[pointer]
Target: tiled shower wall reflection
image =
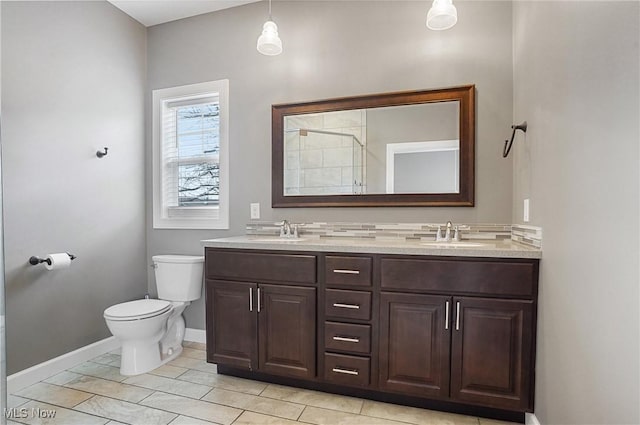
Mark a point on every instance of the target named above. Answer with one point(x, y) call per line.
point(318, 164)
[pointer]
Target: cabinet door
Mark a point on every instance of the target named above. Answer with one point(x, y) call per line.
point(415, 334)
point(287, 330)
point(491, 352)
point(232, 324)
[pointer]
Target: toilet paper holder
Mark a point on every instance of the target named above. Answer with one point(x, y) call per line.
point(34, 261)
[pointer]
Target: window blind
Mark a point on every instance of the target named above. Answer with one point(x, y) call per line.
point(191, 156)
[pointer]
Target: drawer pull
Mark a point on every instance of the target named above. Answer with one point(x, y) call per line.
point(345, 371)
point(342, 271)
point(351, 306)
point(250, 299)
point(346, 339)
point(458, 315)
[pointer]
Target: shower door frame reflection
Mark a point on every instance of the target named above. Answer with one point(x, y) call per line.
point(294, 170)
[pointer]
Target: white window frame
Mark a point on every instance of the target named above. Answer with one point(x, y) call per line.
point(421, 147)
point(214, 217)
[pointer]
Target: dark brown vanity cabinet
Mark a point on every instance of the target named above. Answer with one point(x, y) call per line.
point(469, 349)
point(476, 348)
point(491, 352)
point(266, 327)
point(457, 331)
point(415, 334)
point(232, 325)
point(287, 330)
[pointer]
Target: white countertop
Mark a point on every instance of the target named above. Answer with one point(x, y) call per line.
point(489, 248)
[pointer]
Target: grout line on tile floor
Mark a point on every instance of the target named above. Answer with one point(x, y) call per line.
point(154, 391)
point(301, 412)
point(185, 371)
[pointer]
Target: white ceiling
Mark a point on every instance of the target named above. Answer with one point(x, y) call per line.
point(154, 12)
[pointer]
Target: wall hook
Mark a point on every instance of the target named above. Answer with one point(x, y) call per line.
point(507, 143)
point(100, 154)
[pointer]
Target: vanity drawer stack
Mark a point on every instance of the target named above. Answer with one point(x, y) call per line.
point(348, 315)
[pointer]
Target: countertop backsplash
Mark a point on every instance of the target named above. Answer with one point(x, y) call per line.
point(526, 235)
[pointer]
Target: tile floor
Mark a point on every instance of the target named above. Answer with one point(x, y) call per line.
point(188, 391)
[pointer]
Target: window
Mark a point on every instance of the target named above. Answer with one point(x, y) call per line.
point(190, 156)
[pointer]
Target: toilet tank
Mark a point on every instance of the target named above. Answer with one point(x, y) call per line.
point(178, 277)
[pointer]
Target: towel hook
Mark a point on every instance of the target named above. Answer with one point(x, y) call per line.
point(507, 143)
point(100, 154)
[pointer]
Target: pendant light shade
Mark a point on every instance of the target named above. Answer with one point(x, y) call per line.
point(269, 42)
point(442, 15)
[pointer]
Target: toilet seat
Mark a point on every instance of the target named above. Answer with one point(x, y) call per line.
point(137, 310)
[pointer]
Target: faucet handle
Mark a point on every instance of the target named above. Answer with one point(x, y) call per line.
point(456, 234)
point(283, 224)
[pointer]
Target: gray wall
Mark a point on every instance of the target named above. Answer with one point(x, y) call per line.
point(576, 71)
point(334, 49)
point(73, 78)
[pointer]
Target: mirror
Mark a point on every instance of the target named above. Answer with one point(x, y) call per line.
point(394, 149)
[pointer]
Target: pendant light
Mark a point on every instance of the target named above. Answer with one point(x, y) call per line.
point(269, 42)
point(442, 15)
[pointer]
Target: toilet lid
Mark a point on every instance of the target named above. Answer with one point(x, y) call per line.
point(136, 310)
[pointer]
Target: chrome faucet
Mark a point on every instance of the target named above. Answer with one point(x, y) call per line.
point(447, 236)
point(288, 230)
point(285, 229)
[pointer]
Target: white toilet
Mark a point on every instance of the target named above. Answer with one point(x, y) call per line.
point(151, 331)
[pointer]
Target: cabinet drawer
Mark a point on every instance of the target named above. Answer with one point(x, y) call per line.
point(347, 370)
point(505, 278)
point(347, 270)
point(347, 337)
point(348, 304)
point(260, 266)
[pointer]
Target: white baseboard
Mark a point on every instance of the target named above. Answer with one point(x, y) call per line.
point(39, 372)
point(531, 419)
point(195, 335)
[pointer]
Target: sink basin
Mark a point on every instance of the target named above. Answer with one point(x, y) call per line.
point(276, 239)
point(457, 244)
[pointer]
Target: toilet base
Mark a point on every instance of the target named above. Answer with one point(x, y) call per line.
point(140, 357)
point(137, 359)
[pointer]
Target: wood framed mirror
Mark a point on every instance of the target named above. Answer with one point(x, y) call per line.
point(414, 148)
